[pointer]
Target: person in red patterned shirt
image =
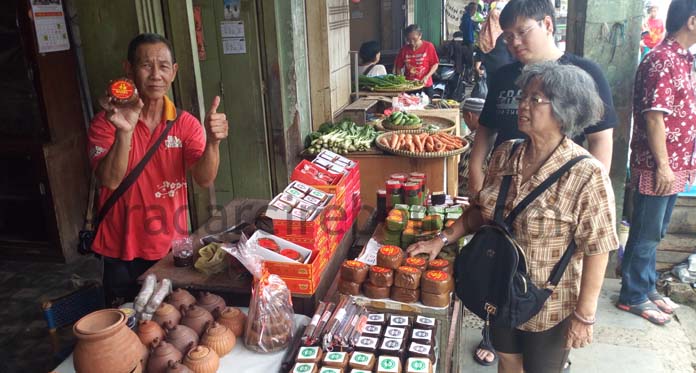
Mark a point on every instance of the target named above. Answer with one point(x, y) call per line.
point(418, 59)
point(663, 160)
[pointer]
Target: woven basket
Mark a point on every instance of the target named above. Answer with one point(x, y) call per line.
point(404, 88)
point(405, 153)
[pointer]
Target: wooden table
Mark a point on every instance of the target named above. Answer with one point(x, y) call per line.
point(236, 287)
point(449, 318)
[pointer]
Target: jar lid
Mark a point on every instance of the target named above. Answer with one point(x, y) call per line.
point(411, 186)
point(381, 192)
point(199, 352)
point(417, 175)
point(122, 89)
point(398, 176)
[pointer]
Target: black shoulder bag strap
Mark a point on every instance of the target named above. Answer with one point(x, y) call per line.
point(503, 192)
point(369, 68)
point(130, 179)
point(559, 268)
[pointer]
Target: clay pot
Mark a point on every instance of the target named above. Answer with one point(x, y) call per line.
point(106, 344)
point(196, 318)
point(181, 297)
point(148, 331)
point(219, 338)
point(166, 313)
point(234, 319)
point(202, 359)
point(162, 353)
point(182, 337)
point(177, 367)
point(211, 301)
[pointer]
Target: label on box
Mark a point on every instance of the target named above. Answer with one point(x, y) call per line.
point(372, 329)
point(425, 320)
point(367, 342)
point(308, 353)
point(392, 332)
point(399, 321)
point(304, 206)
point(361, 358)
point(419, 348)
point(294, 192)
point(303, 368)
point(289, 199)
point(422, 334)
point(335, 357)
point(301, 187)
point(375, 318)
point(329, 370)
point(360, 371)
point(317, 194)
point(417, 365)
point(300, 214)
point(388, 364)
point(282, 206)
point(391, 344)
point(312, 200)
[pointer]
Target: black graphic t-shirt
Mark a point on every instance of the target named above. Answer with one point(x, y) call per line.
point(500, 110)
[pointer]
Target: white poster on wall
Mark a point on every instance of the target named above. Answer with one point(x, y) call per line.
point(454, 9)
point(49, 21)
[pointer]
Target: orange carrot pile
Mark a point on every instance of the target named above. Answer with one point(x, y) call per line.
point(422, 142)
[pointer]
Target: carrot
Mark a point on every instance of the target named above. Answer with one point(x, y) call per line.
point(384, 141)
point(401, 144)
point(393, 140)
point(439, 146)
point(409, 143)
point(419, 144)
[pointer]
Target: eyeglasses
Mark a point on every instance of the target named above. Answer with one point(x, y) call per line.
point(533, 100)
point(510, 37)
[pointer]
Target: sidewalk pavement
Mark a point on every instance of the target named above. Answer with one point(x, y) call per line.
point(622, 342)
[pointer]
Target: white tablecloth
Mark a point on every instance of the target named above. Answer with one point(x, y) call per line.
point(240, 360)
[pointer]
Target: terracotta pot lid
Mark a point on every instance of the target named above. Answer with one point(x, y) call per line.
point(199, 352)
point(165, 308)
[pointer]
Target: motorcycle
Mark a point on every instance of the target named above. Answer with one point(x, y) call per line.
point(447, 84)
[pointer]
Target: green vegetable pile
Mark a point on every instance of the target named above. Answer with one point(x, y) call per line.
point(341, 138)
point(399, 118)
point(389, 81)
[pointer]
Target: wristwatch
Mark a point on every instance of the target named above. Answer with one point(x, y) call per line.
point(442, 238)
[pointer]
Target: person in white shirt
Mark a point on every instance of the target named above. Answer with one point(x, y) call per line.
point(370, 54)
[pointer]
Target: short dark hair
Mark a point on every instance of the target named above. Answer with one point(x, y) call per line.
point(147, 38)
point(458, 34)
point(368, 51)
point(534, 9)
point(678, 14)
point(412, 28)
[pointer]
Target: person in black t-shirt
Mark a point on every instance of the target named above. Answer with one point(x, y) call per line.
point(528, 30)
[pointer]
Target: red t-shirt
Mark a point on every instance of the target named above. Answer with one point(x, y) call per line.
point(663, 83)
point(417, 63)
point(154, 210)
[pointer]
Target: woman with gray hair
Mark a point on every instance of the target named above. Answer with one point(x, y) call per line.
point(557, 101)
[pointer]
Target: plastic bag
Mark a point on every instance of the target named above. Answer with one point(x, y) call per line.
point(480, 90)
point(271, 322)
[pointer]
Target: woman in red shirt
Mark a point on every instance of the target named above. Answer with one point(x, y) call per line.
point(417, 58)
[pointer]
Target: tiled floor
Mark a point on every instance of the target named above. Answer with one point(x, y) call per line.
point(25, 345)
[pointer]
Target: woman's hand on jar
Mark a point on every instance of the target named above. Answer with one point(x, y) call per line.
point(579, 334)
point(430, 247)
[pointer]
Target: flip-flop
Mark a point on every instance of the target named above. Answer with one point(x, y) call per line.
point(640, 310)
point(484, 346)
point(654, 296)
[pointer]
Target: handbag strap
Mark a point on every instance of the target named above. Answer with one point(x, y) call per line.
point(504, 188)
point(130, 179)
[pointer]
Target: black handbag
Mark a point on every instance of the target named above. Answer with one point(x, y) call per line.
point(491, 270)
point(88, 233)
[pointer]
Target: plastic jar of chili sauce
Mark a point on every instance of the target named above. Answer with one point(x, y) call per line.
point(420, 188)
point(424, 180)
point(412, 194)
point(394, 193)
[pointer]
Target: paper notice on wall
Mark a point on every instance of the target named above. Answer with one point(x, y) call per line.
point(232, 29)
point(234, 45)
point(49, 22)
point(454, 10)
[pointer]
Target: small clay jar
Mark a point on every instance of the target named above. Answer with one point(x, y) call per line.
point(181, 297)
point(148, 331)
point(166, 313)
point(234, 319)
point(182, 337)
point(211, 301)
point(177, 367)
point(219, 338)
point(202, 359)
point(196, 318)
point(160, 356)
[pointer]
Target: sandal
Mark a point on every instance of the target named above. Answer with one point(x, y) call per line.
point(641, 310)
point(654, 297)
point(483, 346)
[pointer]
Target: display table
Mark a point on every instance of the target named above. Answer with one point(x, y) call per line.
point(449, 318)
point(239, 360)
point(236, 288)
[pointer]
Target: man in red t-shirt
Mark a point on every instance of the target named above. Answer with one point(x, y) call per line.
point(138, 230)
point(418, 59)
